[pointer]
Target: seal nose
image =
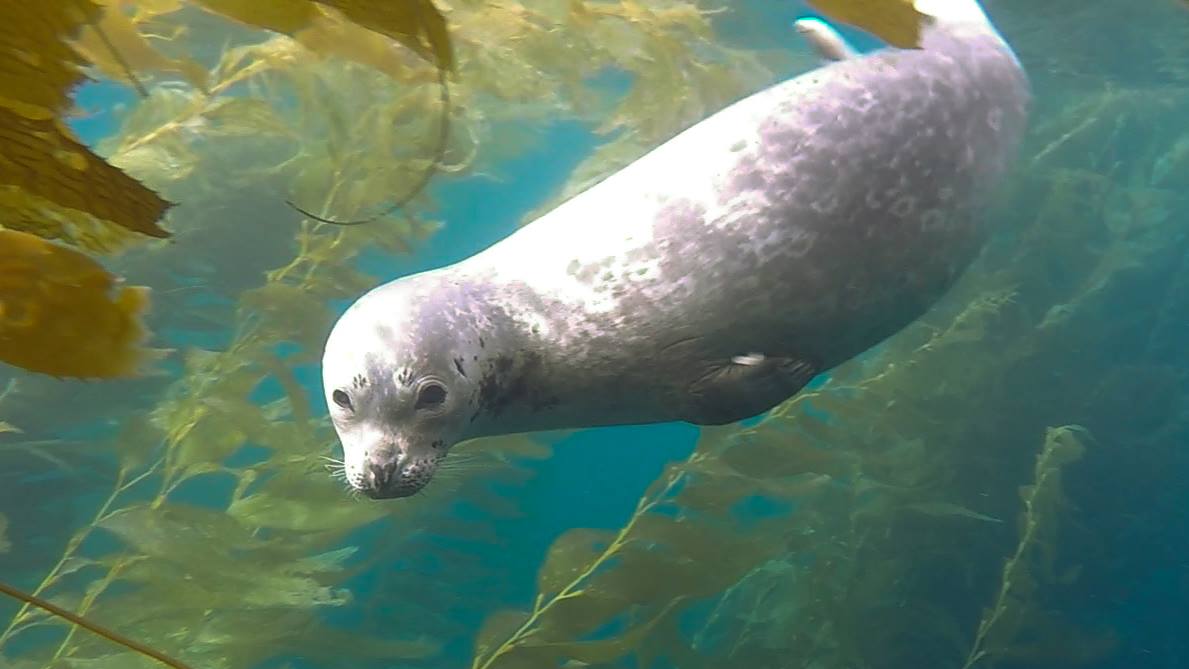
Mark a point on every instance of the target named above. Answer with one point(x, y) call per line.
point(379, 474)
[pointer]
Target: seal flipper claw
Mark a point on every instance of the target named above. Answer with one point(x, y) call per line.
point(744, 387)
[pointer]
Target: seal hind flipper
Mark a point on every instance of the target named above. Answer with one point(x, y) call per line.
point(744, 387)
point(825, 40)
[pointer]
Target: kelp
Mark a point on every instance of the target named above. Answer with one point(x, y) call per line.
point(53, 185)
point(49, 294)
point(223, 541)
point(91, 627)
point(892, 477)
point(274, 542)
point(1011, 611)
point(897, 22)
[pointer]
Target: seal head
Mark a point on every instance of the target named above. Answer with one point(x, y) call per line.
point(397, 398)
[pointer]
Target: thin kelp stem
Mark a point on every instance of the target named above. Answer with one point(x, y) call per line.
point(1062, 445)
point(575, 587)
point(115, 53)
point(115, 637)
point(122, 484)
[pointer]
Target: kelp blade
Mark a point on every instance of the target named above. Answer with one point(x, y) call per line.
point(62, 313)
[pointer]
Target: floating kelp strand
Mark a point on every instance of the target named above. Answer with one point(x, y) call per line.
point(115, 637)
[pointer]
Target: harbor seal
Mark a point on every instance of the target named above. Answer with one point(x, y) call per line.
point(706, 282)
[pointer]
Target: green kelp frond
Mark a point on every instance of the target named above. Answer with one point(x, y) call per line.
point(1012, 612)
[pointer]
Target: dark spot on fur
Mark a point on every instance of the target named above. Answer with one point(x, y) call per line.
point(458, 366)
point(437, 444)
point(481, 344)
point(511, 380)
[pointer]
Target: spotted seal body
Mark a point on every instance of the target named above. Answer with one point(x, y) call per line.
point(706, 282)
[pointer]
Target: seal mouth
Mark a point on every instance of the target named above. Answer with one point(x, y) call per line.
point(398, 477)
point(401, 489)
point(384, 480)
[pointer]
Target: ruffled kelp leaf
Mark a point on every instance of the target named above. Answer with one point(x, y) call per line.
point(180, 533)
point(115, 46)
point(755, 456)
point(496, 629)
point(898, 22)
point(136, 441)
point(225, 426)
point(62, 313)
point(575, 617)
point(323, 563)
point(569, 556)
point(37, 66)
point(602, 651)
point(244, 117)
point(291, 313)
point(304, 513)
point(282, 16)
point(300, 496)
point(338, 36)
point(326, 647)
point(50, 183)
point(417, 24)
point(234, 583)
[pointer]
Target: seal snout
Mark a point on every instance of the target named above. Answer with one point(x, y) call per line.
point(378, 476)
point(380, 470)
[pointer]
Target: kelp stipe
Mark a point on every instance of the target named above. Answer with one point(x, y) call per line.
point(114, 637)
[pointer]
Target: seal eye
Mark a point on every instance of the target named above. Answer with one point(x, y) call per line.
point(430, 396)
point(342, 399)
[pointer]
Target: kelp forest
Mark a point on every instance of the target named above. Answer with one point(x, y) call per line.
point(995, 486)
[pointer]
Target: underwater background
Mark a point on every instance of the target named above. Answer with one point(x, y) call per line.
point(1002, 484)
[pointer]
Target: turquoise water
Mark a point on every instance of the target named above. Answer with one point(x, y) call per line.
point(1076, 315)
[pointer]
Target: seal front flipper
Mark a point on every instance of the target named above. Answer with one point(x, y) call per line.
point(745, 386)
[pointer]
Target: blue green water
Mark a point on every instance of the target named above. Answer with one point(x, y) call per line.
point(1111, 248)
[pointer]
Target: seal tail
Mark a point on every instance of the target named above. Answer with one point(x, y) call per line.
point(828, 42)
